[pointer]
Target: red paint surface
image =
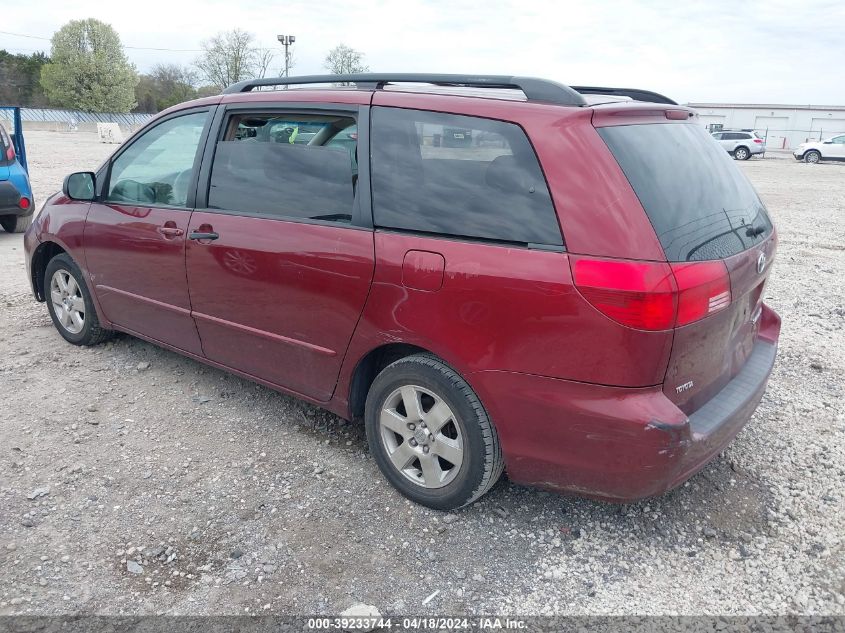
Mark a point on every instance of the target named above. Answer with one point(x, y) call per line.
point(138, 272)
point(278, 299)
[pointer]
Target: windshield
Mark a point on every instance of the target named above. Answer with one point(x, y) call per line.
point(700, 204)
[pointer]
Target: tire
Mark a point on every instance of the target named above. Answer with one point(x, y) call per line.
point(69, 295)
point(813, 157)
point(462, 431)
point(742, 153)
point(15, 223)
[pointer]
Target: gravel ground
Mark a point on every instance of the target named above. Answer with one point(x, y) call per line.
point(135, 481)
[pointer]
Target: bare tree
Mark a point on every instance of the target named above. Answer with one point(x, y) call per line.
point(231, 56)
point(343, 60)
point(263, 58)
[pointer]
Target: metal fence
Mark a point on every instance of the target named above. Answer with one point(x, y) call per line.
point(50, 115)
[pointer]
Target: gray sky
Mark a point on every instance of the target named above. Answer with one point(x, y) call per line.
point(757, 51)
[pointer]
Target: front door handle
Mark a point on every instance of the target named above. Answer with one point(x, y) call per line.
point(198, 235)
point(170, 231)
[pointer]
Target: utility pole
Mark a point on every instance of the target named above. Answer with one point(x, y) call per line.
point(286, 41)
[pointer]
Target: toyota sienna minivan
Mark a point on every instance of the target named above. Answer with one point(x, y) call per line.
point(572, 293)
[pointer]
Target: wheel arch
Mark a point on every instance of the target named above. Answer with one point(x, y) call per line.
point(40, 258)
point(369, 366)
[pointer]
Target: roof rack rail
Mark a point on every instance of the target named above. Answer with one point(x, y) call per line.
point(634, 93)
point(534, 89)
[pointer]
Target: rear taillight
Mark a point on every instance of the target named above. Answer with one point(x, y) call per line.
point(652, 295)
point(703, 288)
point(758, 140)
point(24, 202)
point(10, 153)
point(637, 294)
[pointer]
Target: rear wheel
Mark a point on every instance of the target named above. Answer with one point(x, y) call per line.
point(430, 435)
point(15, 223)
point(70, 304)
point(812, 157)
point(742, 153)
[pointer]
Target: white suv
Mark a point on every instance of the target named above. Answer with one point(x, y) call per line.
point(741, 145)
point(815, 151)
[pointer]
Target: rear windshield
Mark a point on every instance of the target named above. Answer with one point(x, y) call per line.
point(700, 204)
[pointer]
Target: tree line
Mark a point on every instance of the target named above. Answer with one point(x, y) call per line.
point(87, 69)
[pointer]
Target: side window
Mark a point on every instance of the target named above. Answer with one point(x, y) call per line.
point(156, 169)
point(840, 140)
point(459, 176)
point(286, 166)
point(718, 136)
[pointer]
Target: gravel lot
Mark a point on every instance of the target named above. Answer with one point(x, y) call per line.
point(163, 486)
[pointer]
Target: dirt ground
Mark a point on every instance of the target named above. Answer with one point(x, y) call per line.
point(135, 481)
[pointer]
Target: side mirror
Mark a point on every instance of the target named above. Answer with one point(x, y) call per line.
point(80, 186)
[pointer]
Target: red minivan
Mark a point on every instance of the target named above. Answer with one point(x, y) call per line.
point(572, 290)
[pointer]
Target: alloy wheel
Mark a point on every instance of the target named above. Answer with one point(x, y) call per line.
point(422, 436)
point(68, 304)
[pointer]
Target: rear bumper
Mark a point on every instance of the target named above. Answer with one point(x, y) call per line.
point(618, 444)
point(10, 198)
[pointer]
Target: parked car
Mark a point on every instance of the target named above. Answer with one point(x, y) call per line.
point(15, 191)
point(741, 145)
point(582, 306)
point(817, 151)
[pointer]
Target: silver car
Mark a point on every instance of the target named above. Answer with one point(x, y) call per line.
point(741, 145)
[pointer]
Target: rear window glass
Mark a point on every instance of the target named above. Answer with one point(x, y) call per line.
point(460, 176)
point(5, 143)
point(700, 204)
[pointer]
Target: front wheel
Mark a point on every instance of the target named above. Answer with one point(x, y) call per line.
point(15, 223)
point(742, 153)
point(70, 304)
point(812, 157)
point(430, 435)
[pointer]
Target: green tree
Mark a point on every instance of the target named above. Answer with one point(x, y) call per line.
point(164, 86)
point(88, 69)
point(20, 79)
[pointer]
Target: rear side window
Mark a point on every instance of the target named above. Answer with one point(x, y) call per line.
point(701, 206)
point(286, 166)
point(6, 157)
point(460, 176)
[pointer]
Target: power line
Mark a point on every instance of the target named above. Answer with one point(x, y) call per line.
point(137, 48)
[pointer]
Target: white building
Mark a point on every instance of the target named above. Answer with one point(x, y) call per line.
point(783, 126)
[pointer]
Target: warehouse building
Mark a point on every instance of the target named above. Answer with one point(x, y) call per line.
point(783, 126)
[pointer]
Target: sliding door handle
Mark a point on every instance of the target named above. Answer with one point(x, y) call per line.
point(197, 235)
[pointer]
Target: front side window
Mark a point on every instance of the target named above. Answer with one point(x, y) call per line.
point(839, 140)
point(286, 166)
point(459, 176)
point(157, 169)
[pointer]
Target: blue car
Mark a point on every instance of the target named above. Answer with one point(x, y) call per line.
point(16, 203)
